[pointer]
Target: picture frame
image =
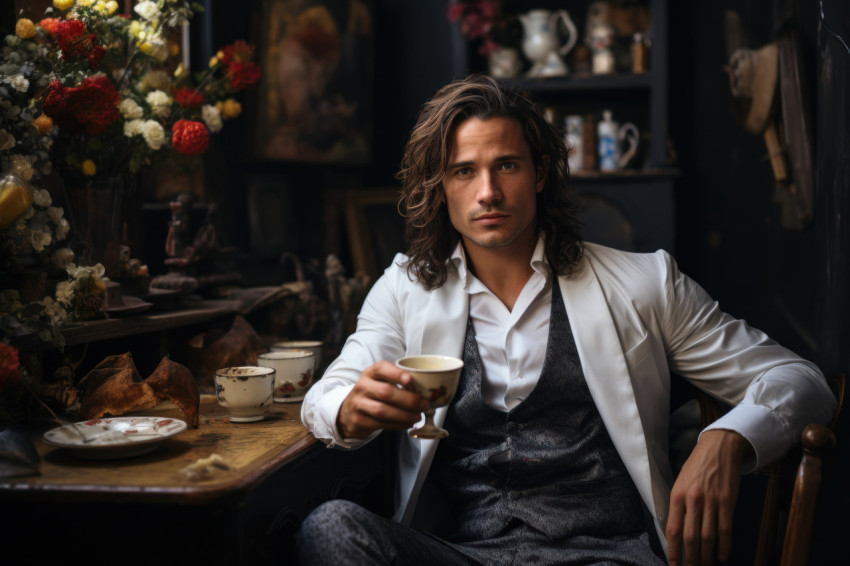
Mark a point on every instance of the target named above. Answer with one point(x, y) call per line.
point(316, 91)
point(374, 227)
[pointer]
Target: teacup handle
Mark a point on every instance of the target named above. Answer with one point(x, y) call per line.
point(571, 30)
point(628, 131)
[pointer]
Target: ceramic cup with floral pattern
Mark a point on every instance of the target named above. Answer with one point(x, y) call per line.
point(245, 391)
point(294, 370)
point(314, 346)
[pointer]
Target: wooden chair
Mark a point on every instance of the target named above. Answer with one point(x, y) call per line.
point(793, 486)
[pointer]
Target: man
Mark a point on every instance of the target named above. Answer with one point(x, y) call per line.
point(557, 450)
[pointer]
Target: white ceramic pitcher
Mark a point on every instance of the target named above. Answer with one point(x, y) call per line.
point(541, 43)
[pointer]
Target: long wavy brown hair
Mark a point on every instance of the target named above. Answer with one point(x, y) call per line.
point(429, 235)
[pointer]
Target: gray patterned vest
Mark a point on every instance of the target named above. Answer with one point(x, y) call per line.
point(558, 472)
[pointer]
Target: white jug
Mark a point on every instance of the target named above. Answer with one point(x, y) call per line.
point(540, 42)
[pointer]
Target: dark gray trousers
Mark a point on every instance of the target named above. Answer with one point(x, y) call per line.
point(341, 533)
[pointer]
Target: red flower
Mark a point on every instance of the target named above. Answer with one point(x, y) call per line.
point(188, 97)
point(236, 52)
point(72, 40)
point(88, 108)
point(10, 367)
point(189, 137)
point(243, 75)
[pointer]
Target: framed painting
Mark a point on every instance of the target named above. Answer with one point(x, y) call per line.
point(316, 88)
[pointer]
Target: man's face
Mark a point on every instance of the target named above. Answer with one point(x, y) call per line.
point(491, 184)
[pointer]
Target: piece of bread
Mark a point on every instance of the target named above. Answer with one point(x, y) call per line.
point(114, 387)
point(171, 380)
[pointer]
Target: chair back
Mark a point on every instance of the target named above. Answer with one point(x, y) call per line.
point(793, 486)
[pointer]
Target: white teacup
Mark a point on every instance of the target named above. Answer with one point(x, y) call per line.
point(314, 346)
point(435, 378)
point(295, 371)
point(245, 391)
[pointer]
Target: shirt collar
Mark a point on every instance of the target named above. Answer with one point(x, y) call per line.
point(538, 262)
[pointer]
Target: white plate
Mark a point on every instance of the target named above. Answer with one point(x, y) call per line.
point(114, 437)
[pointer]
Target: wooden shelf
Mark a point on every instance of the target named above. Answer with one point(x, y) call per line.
point(624, 175)
point(582, 82)
point(108, 329)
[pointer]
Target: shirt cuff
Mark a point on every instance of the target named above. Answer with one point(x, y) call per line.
point(759, 426)
point(328, 409)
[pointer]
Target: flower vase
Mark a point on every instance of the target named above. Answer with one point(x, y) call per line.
point(105, 215)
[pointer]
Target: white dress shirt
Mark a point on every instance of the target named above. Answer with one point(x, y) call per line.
point(511, 343)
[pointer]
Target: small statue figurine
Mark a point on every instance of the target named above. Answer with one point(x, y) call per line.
point(194, 260)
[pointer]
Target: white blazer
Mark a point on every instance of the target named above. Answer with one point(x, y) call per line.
point(635, 319)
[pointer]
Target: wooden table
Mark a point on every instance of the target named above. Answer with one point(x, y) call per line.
point(141, 510)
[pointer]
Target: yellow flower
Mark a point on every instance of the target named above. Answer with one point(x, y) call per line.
point(24, 28)
point(85, 3)
point(230, 108)
point(63, 4)
point(135, 28)
point(213, 61)
point(43, 124)
point(100, 6)
point(146, 48)
point(179, 71)
point(89, 168)
point(111, 7)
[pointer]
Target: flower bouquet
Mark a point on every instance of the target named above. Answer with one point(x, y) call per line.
point(92, 95)
point(106, 90)
point(483, 22)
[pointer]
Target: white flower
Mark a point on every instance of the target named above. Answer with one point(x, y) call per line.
point(155, 80)
point(7, 140)
point(65, 292)
point(211, 117)
point(148, 10)
point(40, 240)
point(21, 166)
point(63, 257)
point(54, 310)
point(62, 228)
point(130, 109)
point(133, 127)
point(42, 198)
point(154, 134)
point(78, 272)
point(55, 213)
point(160, 103)
point(19, 82)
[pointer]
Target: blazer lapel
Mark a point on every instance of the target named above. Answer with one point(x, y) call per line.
point(606, 373)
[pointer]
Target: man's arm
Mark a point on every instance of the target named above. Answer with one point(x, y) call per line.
point(380, 335)
point(703, 499)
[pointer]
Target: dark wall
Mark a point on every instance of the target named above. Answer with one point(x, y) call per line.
point(832, 252)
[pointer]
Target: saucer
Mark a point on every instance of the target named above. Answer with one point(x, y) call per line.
point(116, 437)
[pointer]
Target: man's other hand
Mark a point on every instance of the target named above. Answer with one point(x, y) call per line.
point(703, 499)
point(381, 399)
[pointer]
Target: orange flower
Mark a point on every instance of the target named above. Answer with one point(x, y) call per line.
point(43, 124)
